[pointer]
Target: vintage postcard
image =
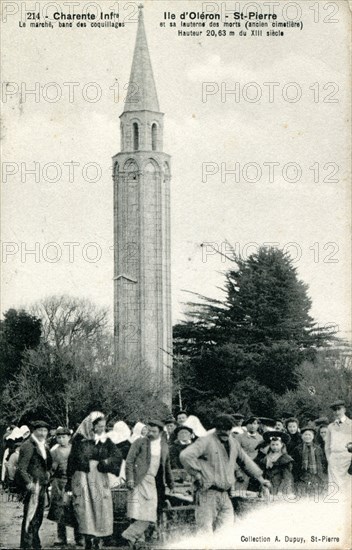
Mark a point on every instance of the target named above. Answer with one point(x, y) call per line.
point(175, 332)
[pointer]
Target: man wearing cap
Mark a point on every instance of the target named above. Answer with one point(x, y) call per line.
point(147, 472)
point(212, 461)
point(32, 475)
point(170, 426)
point(338, 436)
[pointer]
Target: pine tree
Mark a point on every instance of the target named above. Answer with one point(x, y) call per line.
point(261, 331)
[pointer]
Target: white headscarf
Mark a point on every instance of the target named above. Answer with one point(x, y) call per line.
point(137, 431)
point(86, 427)
point(120, 432)
point(19, 433)
point(196, 425)
point(24, 431)
point(15, 434)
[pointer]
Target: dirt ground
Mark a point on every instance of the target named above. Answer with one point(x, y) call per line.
point(11, 514)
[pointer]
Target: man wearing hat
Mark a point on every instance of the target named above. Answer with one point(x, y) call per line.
point(184, 436)
point(170, 426)
point(339, 434)
point(212, 461)
point(32, 475)
point(147, 472)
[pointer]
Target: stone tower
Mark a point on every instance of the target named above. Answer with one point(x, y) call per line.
point(141, 174)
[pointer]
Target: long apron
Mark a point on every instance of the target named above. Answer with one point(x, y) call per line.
point(117, 481)
point(143, 500)
point(92, 502)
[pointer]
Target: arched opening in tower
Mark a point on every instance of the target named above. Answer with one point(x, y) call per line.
point(154, 136)
point(135, 136)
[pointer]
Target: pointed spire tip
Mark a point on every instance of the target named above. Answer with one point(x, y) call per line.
point(141, 93)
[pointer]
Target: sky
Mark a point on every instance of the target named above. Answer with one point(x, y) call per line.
point(205, 134)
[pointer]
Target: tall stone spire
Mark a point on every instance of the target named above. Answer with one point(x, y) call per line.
point(142, 302)
point(141, 94)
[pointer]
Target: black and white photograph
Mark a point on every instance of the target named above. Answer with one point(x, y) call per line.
point(175, 325)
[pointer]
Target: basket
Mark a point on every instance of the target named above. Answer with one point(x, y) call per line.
point(119, 502)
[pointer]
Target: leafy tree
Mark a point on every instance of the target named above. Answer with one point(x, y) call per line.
point(249, 397)
point(72, 371)
point(320, 382)
point(68, 321)
point(18, 331)
point(129, 394)
point(54, 377)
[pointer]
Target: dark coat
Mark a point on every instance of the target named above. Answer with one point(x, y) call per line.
point(301, 475)
point(280, 475)
point(138, 462)
point(83, 450)
point(175, 448)
point(124, 447)
point(31, 465)
point(295, 439)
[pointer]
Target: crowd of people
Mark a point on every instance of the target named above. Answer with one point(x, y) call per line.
point(237, 457)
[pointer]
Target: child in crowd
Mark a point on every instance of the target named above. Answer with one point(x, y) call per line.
point(276, 463)
point(60, 454)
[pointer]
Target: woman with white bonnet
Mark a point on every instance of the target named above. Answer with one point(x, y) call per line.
point(17, 437)
point(92, 457)
point(120, 435)
point(139, 430)
point(196, 426)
